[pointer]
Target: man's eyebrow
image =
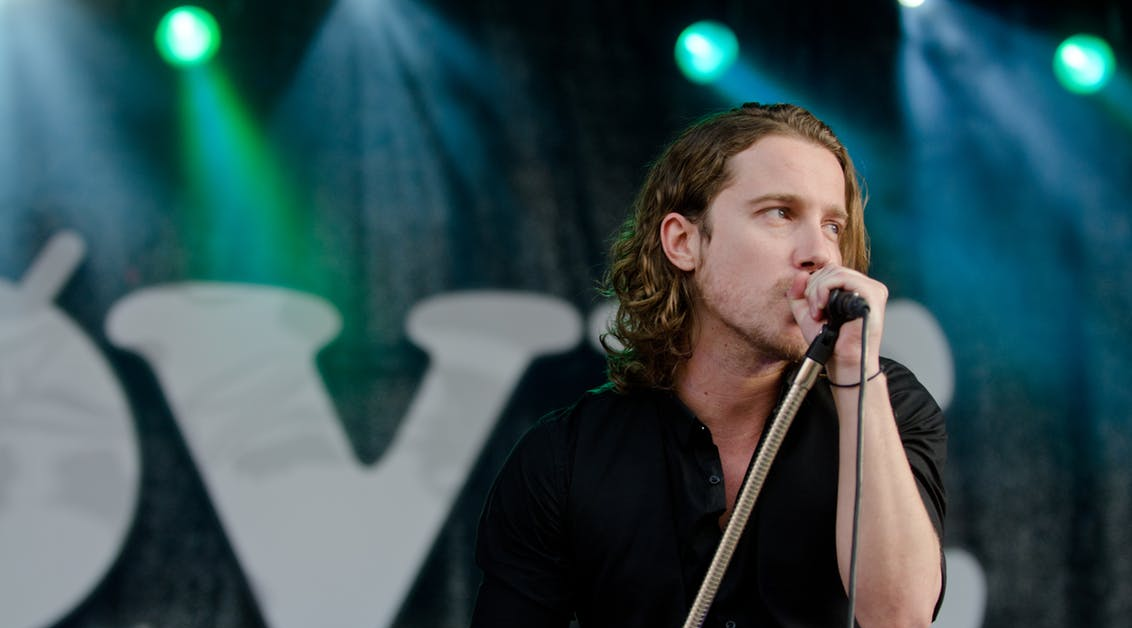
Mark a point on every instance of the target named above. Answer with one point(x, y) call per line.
point(775, 196)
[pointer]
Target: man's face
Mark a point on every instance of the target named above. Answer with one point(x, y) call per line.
point(780, 215)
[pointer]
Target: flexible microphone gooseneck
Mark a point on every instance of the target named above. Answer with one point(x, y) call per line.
point(841, 307)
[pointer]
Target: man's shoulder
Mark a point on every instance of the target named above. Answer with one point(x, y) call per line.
point(912, 403)
point(901, 379)
point(600, 413)
point(590, 427)
point(892, 367)
point(605, 403)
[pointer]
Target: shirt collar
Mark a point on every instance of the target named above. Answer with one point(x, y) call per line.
point(680, 419)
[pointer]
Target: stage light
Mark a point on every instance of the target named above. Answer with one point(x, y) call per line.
point(187, 36)
point(1084, 63)
point(706, 50)
point(911, 4)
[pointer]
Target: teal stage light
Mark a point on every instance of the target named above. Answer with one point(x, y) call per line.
point(706, 50)
point(1084, 63)
point(187, 36)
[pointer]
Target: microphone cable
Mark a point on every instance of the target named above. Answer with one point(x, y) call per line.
point(858, 479)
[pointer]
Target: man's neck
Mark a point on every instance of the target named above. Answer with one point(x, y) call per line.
point(733, 397)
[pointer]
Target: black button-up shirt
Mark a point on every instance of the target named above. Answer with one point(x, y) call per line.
point(609, 511)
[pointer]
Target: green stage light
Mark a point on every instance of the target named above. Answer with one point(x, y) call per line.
point(706, 50)
point(1084, 63)
point(187, 36)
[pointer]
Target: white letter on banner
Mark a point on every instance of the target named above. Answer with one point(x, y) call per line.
point(69, 462)
point(322, 540)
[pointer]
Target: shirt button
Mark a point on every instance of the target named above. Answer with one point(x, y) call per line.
point(714, 479)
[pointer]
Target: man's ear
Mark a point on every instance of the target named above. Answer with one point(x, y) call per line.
point(680, 238)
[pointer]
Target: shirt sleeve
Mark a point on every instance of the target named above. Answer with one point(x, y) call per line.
point(923, 432)
point(521, 543)
point(924, 435)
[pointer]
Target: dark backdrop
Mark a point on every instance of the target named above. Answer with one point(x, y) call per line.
point(432, 147)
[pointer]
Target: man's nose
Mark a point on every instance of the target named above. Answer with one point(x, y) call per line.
point(813, 249)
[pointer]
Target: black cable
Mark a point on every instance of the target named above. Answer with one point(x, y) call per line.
point(859, 467)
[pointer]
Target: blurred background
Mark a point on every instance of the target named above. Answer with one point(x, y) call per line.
point(282, 282)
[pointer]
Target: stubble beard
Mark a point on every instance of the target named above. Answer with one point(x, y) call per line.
point(773, 346)
point(764, 334)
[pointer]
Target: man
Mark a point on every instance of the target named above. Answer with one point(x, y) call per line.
point(610, 511)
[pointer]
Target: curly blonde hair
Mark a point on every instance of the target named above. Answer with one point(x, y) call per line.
point(654, 318)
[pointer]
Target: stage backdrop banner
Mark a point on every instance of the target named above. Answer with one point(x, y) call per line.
point(270, 326)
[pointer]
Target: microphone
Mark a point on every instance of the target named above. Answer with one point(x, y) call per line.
point(844, 307)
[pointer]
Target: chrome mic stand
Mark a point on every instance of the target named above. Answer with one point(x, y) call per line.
point(820, 350)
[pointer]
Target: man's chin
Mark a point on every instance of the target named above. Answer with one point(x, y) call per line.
point(789, 348)
point(785, 344)
point(796, 352)
point(795, 348)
